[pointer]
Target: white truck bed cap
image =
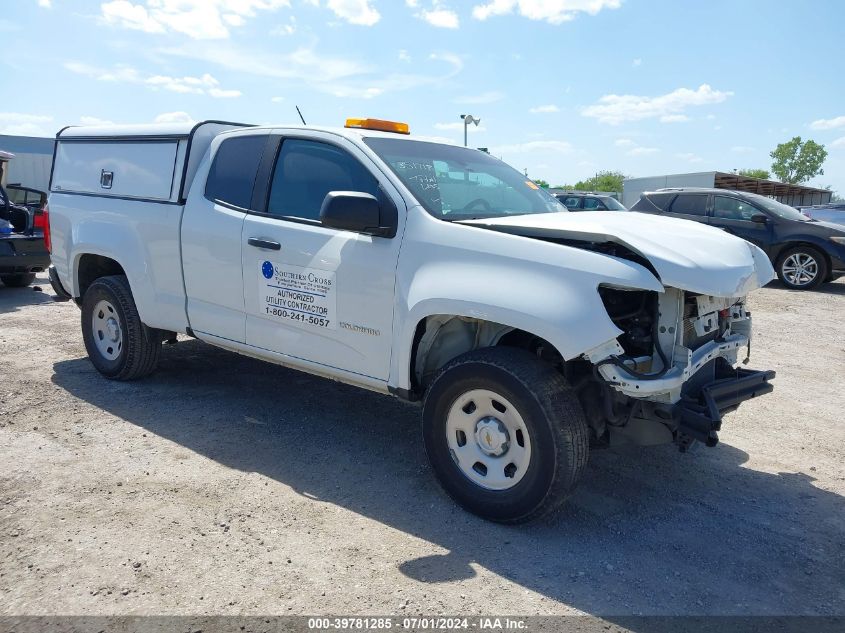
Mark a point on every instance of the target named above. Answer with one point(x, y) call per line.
point(177, 129)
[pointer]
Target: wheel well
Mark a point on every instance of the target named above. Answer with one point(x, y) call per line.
point(440, 338)
point(91, 268)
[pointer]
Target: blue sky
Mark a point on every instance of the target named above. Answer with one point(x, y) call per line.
point(563, 87)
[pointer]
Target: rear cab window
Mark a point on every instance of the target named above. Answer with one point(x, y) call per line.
point(232, 174)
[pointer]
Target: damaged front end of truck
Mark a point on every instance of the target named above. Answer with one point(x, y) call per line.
point(673, 373)
point(677, 364)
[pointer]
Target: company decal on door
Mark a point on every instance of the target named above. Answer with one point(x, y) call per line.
point(303, 297)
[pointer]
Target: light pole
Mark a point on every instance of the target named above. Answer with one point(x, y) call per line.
point(468, 118)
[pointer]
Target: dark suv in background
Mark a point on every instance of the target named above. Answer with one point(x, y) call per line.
point(581, 201)
point(804, 252)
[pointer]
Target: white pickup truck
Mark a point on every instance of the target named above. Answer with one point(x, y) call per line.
point(428, 271)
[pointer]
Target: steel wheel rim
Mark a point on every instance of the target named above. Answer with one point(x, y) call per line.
point(800, 269)
point(107, 330)
point(488, 439)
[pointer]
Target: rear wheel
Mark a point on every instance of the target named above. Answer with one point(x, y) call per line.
point(505, 434)
point(802, 267)
point(119, 345)
point(18, 280)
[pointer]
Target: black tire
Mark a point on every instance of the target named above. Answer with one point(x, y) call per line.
point(139, 346)
point(802, 252)
point(551, 412)
point(18, 280)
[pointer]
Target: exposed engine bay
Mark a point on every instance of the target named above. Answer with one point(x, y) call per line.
point(646, 385)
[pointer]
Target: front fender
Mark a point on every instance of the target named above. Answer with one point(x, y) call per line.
point(546, 289)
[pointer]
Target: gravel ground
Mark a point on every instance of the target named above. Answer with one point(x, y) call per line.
point(222, 485)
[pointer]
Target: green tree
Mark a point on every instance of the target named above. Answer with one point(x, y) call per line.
point(797, 161)
point(540, 183)
point(764, 174)
point(602, 181)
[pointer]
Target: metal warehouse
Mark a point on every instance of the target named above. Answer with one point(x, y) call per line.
point(33, 157)
point(793, 195)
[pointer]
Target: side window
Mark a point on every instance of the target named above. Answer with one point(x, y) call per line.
point(690, 204)
point(232, 174)
point(592, 204)
point(306, 171)
point(732, 208)
point(571, 202)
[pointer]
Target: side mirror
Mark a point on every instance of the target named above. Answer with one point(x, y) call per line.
point(759, 218)
point(356, 211)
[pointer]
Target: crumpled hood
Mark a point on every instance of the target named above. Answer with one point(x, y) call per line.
point(686, 254)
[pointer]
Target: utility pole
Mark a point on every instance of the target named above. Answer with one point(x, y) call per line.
point(468, 118)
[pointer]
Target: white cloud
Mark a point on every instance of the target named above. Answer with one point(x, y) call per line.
point(615, 109)
point(404, 56)
point(710, 117)
point(219, 93)
point(285, 29)
point(441, 18)
point(277, 99)
point(354, 11)
point(46, 4)
point(484, 97)
point(543, 109)
point(174, 117)
point(198, 19)
point(561, 147)
point(828, 124)
point(438, 14)
point(552, 11)
point(130, 16)
point(690, 157)
point(20, 124)
point(674, 118)
point(204, 85)
point(838, 143)
point(92, 120)
point(636, 62)
point(633, 148)
point(743, 149)
point(642, 151)
point(339, 76)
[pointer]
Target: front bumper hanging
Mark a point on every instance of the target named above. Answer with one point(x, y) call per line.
point(701, 417)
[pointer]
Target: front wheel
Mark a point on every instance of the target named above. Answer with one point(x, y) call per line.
point(802, 267)
point(505, 434)
point(119, 345)
point(18, 280)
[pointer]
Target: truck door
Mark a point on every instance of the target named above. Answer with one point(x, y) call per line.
point(316, 293)
point(212, 224)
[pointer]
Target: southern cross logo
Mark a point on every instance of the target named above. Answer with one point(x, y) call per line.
point(267, 270)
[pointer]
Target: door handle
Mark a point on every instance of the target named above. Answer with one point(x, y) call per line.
point(257, 242)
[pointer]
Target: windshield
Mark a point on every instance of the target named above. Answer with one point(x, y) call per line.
point(613, 204)
point(778, 208)
point(456, 183)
